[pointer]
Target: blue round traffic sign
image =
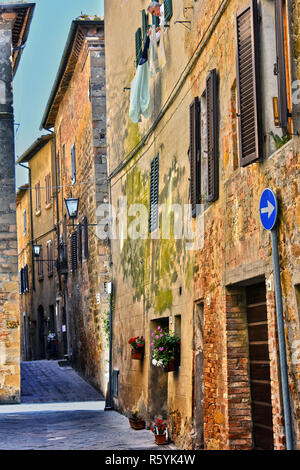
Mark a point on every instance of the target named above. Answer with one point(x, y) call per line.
point(268, 209)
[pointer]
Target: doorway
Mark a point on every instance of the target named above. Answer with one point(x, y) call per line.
point(259, 366)
point(41, 333)
point(198, 383)
point(158, 381)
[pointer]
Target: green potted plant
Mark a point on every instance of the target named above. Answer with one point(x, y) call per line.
point(138, 346)
point(136, 421)
point(160, 431)
point(164, 348)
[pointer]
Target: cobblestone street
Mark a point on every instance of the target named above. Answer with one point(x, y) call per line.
point(60, 411)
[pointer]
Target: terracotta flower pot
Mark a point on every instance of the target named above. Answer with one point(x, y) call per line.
point(160, 439)
point(138, 355)
point(171, 366)
point(137, 423)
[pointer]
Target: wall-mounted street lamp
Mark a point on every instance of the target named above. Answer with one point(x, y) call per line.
point(72, 204)
point(37, 250)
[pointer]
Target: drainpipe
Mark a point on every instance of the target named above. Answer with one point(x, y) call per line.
point(109, 401)
point(57, 212)
point(31, 223)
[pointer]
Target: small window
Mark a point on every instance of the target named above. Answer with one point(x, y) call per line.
point(50, 255)
point(154, 193)
point(48, 190)
point(73, 164)
point(58, 171)
point(41, 265)
point(24, 222)
point(38, 198)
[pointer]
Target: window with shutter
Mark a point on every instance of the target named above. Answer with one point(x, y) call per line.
point(154, 193)
point(58, 171)
point(79, 239)
point(86, 238)
point(21, 286)
point(50, 257)
point(195, 155)
point(38, 198)
point(248, 79)
point(73, 157)
point(40, 265)
point(24, 222)
point(73, 252)
point(155, 21)
point(212, 137)
point(26, 279)
point(48, 189)
point(138, 45)
point(280, 66)
point(168, 10)
point(145, 20)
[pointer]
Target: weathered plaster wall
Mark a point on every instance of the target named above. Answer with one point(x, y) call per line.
point(235, 248)
point(153, 278)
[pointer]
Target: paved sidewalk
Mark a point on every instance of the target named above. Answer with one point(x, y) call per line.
point(60, 411)
point(71, 430)
point(46, 381)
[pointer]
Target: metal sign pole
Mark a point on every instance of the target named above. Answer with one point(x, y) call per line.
point(268, 211)
point(282, 345)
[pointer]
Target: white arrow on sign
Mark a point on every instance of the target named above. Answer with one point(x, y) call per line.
point(268, 210)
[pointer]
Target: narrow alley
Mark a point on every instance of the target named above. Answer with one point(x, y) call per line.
point(60, 411)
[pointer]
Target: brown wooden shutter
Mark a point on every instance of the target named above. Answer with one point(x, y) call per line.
point(212, 138)
point(154, 194)
point(280, 66)
point(73, 251)
point(248, 79)
point(79, 240)
point(195, 157)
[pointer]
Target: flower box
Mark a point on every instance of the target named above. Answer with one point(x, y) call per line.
point(137, 355)
point(171, 366)
point(160, 439)
point(137, 423)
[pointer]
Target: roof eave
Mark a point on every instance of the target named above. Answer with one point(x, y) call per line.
point(63, 65)
point(37, 145)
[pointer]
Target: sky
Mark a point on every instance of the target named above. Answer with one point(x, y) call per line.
point(39, 65)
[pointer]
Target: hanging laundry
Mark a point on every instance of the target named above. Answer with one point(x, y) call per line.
point(153, 54)
point(140, 103)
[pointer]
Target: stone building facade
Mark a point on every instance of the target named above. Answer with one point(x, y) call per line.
point(223, 127)
point(76, 110)
point(37, 228)
point(14, 27)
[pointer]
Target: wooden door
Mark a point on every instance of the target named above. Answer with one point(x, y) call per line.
point(259, 368)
